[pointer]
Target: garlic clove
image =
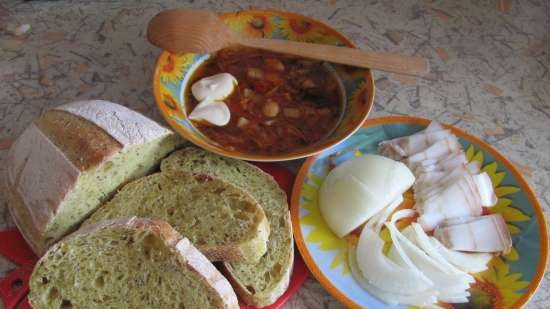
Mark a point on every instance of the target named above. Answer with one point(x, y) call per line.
point(214, 88)
point(213, 112)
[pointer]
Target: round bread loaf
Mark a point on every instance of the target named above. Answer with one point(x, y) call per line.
point(72, 158)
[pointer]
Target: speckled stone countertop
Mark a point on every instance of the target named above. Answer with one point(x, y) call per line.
point(490, 71)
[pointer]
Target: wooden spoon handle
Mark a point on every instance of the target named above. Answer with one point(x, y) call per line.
point(388, 62)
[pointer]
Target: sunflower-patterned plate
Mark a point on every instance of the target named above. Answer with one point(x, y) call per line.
point(173, 71)
point(509, 281)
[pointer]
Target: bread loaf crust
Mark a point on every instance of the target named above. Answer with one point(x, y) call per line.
point(269, 295)
point(82, 142)
point(45, 162)
point(123, 124)
point(22, 219)
point(40, 174)
point(200, 263)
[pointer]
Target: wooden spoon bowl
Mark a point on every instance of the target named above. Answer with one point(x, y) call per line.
point(191, 31)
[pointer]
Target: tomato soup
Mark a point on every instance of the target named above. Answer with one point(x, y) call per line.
point(281, 103)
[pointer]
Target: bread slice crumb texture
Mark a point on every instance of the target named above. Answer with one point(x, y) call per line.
point(125, 266)
point(263, 282)
point(224, 222)
point(97, 184)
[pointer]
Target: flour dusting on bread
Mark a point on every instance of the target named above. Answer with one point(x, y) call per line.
point(123, 124)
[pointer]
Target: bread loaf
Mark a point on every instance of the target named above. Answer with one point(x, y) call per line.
point(71, 159)
point(129, 263)
point(224, 222)
point(263, 282)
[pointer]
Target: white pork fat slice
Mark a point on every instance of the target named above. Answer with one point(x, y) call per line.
point(461, 194)
point(485, 189)
point(359, 188)
point(446, 163)
point(437, 150)
point(213, 112)
point(482, 188)
point(459, 198)
point(433, 127)
point(479, 234)
point(435, 178)
point(405, 146)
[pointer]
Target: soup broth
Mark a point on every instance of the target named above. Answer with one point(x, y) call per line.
point(281, 103)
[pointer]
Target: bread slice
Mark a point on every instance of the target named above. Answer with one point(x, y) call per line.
point(128, 263)
point(224, 222)
point(263, 282)
point(72, 158)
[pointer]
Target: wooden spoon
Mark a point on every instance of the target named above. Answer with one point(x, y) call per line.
point(198, 31)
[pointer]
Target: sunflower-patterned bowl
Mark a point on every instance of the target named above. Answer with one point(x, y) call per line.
point(173, 72)
point(509, 281)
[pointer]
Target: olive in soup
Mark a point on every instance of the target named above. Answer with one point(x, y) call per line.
point(281, 103)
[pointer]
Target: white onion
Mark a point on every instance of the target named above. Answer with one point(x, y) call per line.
point(423, 241)
point(359, 188)
point(468, 262)
point(420, 299)
point(377, 221)
point(382, 272)
point(447, 284)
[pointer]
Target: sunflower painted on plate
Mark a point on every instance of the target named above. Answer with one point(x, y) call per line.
point(495, 288)
point(173, 66)
point(252, 25)
point(504, 205)
point(321, 233)
point(305, 30)
point(170, 102)
point(300, 29)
